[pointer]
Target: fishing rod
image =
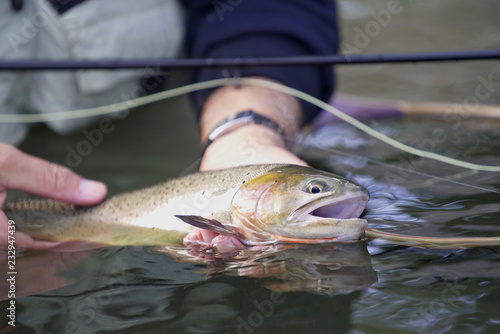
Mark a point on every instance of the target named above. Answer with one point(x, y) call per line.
point(243, 62)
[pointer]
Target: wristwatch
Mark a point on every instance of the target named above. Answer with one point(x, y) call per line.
point(241, 119)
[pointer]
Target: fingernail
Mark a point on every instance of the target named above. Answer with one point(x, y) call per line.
point(92, 189)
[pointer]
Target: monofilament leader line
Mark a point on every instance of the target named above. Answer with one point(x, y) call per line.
point(121, 106)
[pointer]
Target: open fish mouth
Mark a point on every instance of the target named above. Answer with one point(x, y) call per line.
point(327, 219)
point(345, 208)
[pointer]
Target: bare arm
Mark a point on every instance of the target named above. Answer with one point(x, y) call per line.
point(250, 144)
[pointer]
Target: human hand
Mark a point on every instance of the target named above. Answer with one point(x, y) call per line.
point(23, 172)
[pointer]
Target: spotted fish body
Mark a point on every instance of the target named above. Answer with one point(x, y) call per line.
point(148, 216)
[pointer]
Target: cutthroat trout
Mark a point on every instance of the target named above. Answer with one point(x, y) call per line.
point(261, 204)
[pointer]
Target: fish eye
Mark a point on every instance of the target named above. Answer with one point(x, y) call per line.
point(315, 187)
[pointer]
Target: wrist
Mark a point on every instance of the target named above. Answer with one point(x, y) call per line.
point(242, 119)
point(251, 136)
point(251, 144)
point(228, 101)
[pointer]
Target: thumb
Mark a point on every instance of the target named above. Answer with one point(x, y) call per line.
point(36, 176)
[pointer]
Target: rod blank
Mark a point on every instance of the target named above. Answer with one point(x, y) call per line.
point(317, 60)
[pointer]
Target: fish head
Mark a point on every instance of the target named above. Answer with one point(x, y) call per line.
point(300, 204)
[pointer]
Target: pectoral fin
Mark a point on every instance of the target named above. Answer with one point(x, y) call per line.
point(208, 224)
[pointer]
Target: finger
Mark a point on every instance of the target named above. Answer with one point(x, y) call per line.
point(199, 237)
point(23, 172)
point(226, 244)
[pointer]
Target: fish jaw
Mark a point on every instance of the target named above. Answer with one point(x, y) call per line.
point(282, 207)
point(326, 219)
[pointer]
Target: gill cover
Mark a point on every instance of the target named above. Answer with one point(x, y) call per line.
point(245, 204)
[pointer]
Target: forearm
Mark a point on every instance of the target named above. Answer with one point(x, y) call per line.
point(251, 143)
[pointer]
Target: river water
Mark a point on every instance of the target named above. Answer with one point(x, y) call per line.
point(366, 287)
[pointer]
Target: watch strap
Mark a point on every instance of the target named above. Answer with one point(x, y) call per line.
point(241, 119)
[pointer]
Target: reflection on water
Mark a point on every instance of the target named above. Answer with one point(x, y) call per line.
point(140, 290)
point(325, 269)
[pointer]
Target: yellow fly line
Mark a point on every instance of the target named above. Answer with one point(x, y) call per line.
point(134, 103)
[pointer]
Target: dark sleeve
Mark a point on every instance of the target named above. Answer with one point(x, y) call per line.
point(265, 28)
